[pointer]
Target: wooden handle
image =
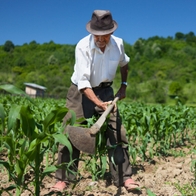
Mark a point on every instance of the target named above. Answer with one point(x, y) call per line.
point(96, 127)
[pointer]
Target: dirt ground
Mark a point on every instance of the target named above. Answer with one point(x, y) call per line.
point(159, 176)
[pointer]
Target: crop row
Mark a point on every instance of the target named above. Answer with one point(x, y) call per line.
point(31, 129)
point(155, 129)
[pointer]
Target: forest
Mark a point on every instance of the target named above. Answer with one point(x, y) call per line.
point(161, 70)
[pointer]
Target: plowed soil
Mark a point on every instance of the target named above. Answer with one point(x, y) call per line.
point(163, 176)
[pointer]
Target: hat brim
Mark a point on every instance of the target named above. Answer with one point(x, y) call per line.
point(103, 32)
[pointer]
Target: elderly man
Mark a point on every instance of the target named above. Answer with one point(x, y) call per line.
point(97, 57)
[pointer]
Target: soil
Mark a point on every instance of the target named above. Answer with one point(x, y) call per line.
point(161, 176)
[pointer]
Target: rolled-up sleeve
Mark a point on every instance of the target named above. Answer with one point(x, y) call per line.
point(81, 69)
point(124, 58)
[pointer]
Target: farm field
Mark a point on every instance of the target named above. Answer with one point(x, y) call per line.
point(164, 176)
point(161, 147)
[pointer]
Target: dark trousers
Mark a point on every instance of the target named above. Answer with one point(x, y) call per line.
point(115, 134)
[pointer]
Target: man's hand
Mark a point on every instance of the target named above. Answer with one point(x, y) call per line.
point(104, 105)
point(121, 92)
point(99, 103)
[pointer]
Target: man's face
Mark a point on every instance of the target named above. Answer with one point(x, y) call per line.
point(102, 40)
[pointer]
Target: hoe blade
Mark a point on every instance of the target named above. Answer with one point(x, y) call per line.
point(82, 139)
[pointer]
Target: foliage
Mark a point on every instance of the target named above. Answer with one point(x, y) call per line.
point(97, 170)
point(28, 137)
point(157, 129)
point(164, 60)
point(8, 46)
point(31, 130)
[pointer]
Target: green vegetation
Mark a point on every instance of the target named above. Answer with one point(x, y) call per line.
point(49, 65)
point(31, 129)
point(157, 129)
point(158, 113)
point(161, 69)
point(27, 136)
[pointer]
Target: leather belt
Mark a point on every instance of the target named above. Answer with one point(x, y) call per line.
point(104, 85)
point(101, 85)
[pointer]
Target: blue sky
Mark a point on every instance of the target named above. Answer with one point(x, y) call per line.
point(64, 21)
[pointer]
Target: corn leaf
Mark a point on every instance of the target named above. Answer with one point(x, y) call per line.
point(14, 90)
point(2, 112)
point(55, 116)
point(9, 144)
point(31, 153)
point(61, 138)
point(13, 116)
point(5, 164)
point(49, 169)
point(150, 193)
point(28, 122)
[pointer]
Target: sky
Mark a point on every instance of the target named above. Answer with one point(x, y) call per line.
point(64, 21)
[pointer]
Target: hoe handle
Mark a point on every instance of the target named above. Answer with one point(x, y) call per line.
point(96, 127)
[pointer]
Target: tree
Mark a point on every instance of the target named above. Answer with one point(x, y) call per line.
point(138, 46)
point(175, 89)
point(8, 46)
point(191, 38)
point(52, 60)
point(179, 36)
point(20, 61)
point(33, 45)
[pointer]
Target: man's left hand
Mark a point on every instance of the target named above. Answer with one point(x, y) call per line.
point(121, 92)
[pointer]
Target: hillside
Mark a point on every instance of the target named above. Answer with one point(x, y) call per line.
point(160, 69)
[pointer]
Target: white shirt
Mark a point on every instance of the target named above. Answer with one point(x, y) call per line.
point(92, 66)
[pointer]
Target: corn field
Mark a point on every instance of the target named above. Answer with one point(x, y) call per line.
point(31, 129)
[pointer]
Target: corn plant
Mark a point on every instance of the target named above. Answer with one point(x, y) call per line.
point(150, 193)
point(96, 164)
point(30, 130)
point(157, 129)
point(2, 118)
point(28, 140)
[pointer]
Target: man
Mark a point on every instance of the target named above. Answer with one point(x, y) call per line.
point(97, 57)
